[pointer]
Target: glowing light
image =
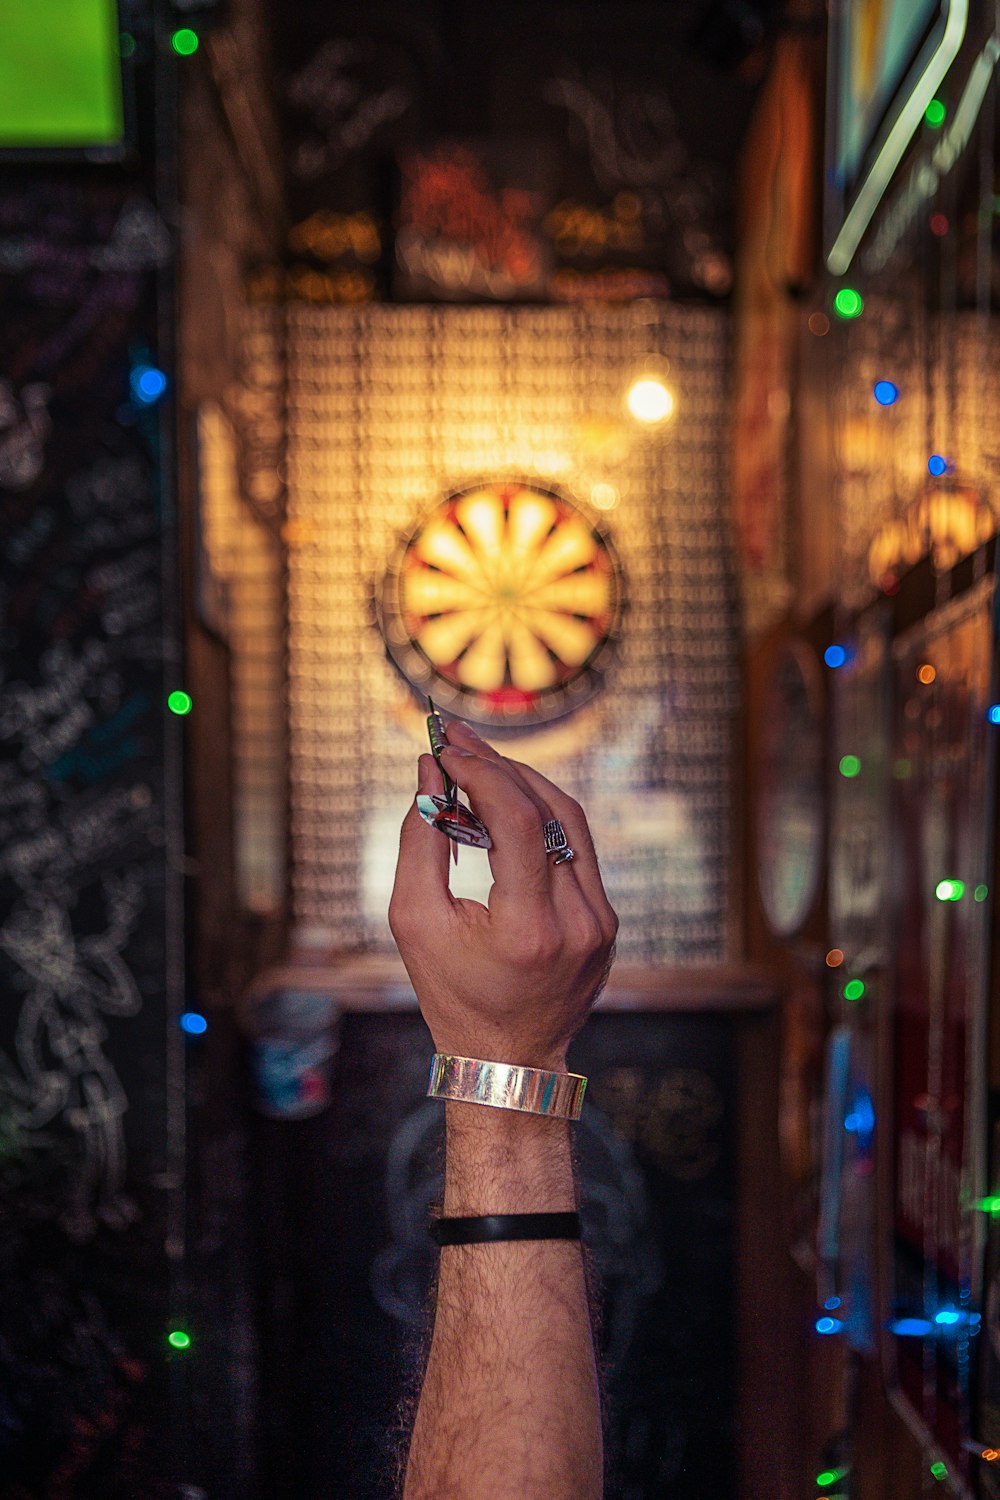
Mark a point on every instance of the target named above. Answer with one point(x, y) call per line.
point(926, 674)
point(180, 702)
point(910, 1328)
point(178, 1339)
point(989, 1205)
point(993, 713)
point(850, 766)
point(935, 114)
point(828, 1477)
point(848, 303)
point(861, 1120)
point(835, 958)
point(902, 769)
point(939, 1470)
point(980, 893)
point(649, 400)
point(885, 392)
point(938, 225)
point(990, 1455)
point(937, 465)
point(147, 384)
point(947, 1317)
point(854, 989)
point(835, 656)
point(604, 496)
point(819, 324)
point(831, 1303)
point(828, 1325)
point(193, 1023)
point(949, 890)
point(184, 41)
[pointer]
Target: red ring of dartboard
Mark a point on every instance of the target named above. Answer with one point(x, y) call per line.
point(504, 604)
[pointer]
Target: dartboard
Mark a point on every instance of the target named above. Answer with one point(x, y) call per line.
point(503, 604)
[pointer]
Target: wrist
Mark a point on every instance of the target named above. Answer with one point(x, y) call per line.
point(519, 1054)
point(501, 1161)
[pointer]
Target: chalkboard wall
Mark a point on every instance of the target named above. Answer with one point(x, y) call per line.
point(89, 1139)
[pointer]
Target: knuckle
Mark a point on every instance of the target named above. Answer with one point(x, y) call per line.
point(524, 820)
point(573, 812)
point(585, 935)
point(401, 922)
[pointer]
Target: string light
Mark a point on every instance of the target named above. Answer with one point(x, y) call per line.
point(193, 1023)
point(993, 713)
point(831, 1303)
point(950, 890)
point(184, 41)
point(180, 702)
point(835, 656)
point(178, 1339)
point(938, 225)
point(910, 1328)
point(926, 674)
point(835, 958)
point(854, 989)
point(147, 384)
point(850, 766)
point(939, 1470)
point(848, 303)
point(935, 114)
point(828, 1325)
point(937, 465)
point(885, 392)
point(829, 1476)
point(989, 1205)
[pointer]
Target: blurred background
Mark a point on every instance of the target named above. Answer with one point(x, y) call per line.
point(625, 377)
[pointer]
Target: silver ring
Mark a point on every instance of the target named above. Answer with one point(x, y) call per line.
point(555, 837)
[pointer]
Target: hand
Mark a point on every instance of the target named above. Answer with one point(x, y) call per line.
point(512, 982)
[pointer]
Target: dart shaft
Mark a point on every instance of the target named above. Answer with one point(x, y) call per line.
point(438, 737)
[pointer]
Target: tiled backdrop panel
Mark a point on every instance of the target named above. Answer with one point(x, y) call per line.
point(388, 406)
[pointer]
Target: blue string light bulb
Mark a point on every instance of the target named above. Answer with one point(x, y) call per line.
point(885, 393)
point(147, 384)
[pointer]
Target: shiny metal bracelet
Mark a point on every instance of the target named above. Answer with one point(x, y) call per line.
point(506, 1086)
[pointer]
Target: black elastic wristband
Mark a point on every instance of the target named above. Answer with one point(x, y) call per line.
point(492, 1227)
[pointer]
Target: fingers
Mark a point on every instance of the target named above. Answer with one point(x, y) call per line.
point(569, 812)
point(421, 884)
point(517, 857)
point(565, 891)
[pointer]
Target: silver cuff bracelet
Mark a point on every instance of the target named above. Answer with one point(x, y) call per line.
point(506, 1086)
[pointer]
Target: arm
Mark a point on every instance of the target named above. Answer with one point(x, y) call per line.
point(510, 1399)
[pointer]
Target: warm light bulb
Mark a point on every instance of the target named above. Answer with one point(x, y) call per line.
point(649, 400)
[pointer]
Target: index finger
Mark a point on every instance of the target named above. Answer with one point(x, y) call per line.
point(517, 858)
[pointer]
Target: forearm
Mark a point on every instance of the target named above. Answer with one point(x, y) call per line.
point(510, 1398)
